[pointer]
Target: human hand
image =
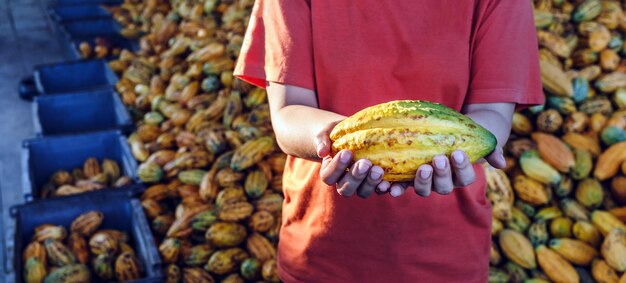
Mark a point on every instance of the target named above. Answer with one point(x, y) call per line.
point(445, 174)
point(360, 177)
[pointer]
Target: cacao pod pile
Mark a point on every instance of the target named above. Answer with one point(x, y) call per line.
point(559, 208)
point(87, 254)
point(206, 146)
point(204, 140)
point(102, 48)
point(93, 176)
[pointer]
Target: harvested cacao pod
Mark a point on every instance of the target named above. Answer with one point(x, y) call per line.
point(86, 224)
point(377, 123)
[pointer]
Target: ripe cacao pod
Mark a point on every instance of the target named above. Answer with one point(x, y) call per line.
point(614, 249)
point(127, 267)
point(78, 245)
point(575, 251)
point(74, 273)
point(34, 271)
point(251, 152)
point(555, 266)
point(58, 254)
point(388, 134)
point(87, 223)
point(517, 248)
point(225, 261)
point(103, 243)
point(226, 234)
point(47, 231)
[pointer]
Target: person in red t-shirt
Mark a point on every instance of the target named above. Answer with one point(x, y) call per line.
point(322, 61)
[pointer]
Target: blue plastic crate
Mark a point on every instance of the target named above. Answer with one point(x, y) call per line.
point(73, 76)
point(41, 157)
point(121, 212)
point(90, 28)
point(115, 41)
point(79, 12)
point(80, 112)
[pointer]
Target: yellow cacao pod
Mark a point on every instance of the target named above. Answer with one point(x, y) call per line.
point(35, 250)
point(605, 222)
point(499, 192)
point(91, 167)
point(101, 243)
point(260, 247)
point(575, 251)
point(87, 223)
point(534, 167)
point(225, 261)
point(554, 79)
point(58, 254)
point(251, 152)
point(517, 248)
point(556, 267)
point(47, 231)
point(270, 271)
point(34, 271)
point(590, 193)
point(530, 191)
point(170, 250)
point(521, 125)
point(586, 232)
point(561, 227)
point(582, 142)
point(602, 272)
point(614, 249)
point(196, 275)
point(127, 267)
point(235, 211)
point(225, 234)
point(399, 136)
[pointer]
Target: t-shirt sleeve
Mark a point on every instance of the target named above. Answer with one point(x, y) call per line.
point(504, 56)
point(277, 46)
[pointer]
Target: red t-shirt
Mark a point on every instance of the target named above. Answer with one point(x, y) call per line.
point(356, 54)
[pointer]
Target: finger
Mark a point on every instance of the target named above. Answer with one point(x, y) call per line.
point(398, 189)
point(442, 177)
point(322, 144)
point(423, 180)
point(463, 171)
point(352, 179)
point(335, 167)
point(383, 187)
point(369, 185)
point(496, 159)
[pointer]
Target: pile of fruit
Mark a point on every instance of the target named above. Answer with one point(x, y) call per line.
point(559, 207)
point(206, 146)
point(93, 176)
point(101, 48)
point(203, 139)
point(86, 255)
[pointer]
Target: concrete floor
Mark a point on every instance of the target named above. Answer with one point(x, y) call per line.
point(26, 39)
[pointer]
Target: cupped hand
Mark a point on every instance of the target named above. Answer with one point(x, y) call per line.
point(359, 177)
point(445, 174)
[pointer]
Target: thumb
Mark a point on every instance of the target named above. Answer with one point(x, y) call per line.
point(322, 145)
point(496, 159)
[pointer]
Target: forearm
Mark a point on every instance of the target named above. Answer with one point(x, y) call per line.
point(296, 127)
point(297, 120)
point(495, 117)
